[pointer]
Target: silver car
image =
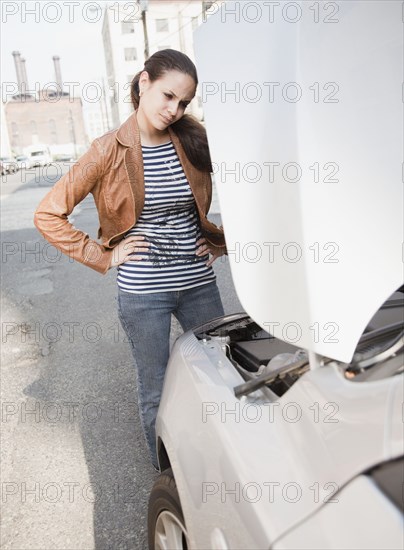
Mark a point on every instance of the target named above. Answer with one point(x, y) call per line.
point(23, 162)
point(258, 451)
point(282, 427)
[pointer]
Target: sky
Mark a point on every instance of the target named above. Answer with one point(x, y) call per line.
point(40, 30)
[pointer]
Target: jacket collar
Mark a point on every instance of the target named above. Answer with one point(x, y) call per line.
point(128, 133)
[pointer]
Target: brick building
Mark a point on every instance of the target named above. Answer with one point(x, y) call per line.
point(49, 116)
point(56, 121)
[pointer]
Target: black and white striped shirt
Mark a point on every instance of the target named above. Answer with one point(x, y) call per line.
point(169, 222)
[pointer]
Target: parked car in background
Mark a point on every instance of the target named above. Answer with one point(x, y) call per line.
point(8, 165)
point(62, 157)
point(39, 155)
point(23, 162)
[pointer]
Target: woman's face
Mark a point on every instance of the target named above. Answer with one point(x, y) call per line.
point(164, 101)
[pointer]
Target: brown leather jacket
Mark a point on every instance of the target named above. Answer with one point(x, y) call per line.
point(112, 170)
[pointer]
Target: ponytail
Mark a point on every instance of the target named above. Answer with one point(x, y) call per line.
point(194, 141)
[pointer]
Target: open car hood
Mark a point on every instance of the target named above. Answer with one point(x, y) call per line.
point(304, 115)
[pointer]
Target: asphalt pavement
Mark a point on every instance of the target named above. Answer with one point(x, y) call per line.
point(75, 472)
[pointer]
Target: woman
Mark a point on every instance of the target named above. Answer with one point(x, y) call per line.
point(151, 184)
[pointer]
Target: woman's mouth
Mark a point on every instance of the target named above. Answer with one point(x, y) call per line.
point(167, 120)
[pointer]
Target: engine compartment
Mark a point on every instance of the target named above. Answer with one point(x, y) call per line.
point(252, 350)
point(263, 360)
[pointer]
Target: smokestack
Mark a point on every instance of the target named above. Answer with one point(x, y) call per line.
point(18, 69)
point(58, 74)
point(24, 73)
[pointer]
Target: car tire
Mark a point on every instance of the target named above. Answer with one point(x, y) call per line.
point(166, 525)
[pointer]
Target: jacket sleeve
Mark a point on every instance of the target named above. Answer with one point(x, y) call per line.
point(51, 216)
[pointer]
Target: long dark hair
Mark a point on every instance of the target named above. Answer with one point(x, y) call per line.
point(190, 132)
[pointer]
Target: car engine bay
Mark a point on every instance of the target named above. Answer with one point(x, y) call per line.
point(265, 361)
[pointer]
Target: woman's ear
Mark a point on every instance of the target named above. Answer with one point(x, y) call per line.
point(144, 81)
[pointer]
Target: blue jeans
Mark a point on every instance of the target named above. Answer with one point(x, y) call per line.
point(146, 319)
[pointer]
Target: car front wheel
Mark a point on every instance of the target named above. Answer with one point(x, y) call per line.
point(166, 525)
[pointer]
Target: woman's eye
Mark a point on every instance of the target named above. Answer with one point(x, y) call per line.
point(169, 96)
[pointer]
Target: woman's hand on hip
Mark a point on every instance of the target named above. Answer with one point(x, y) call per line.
point(130, 248)
point(207, 248)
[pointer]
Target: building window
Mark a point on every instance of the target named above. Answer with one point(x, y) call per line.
point(162, 25)
point(52, 131)
point(127, 27)
point(130, 54)
point(195, 23)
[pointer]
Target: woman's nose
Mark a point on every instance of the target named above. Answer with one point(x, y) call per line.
point(173, 108)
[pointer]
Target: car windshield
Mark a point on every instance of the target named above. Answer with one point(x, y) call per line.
point(37, 153)
point(21, 158)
